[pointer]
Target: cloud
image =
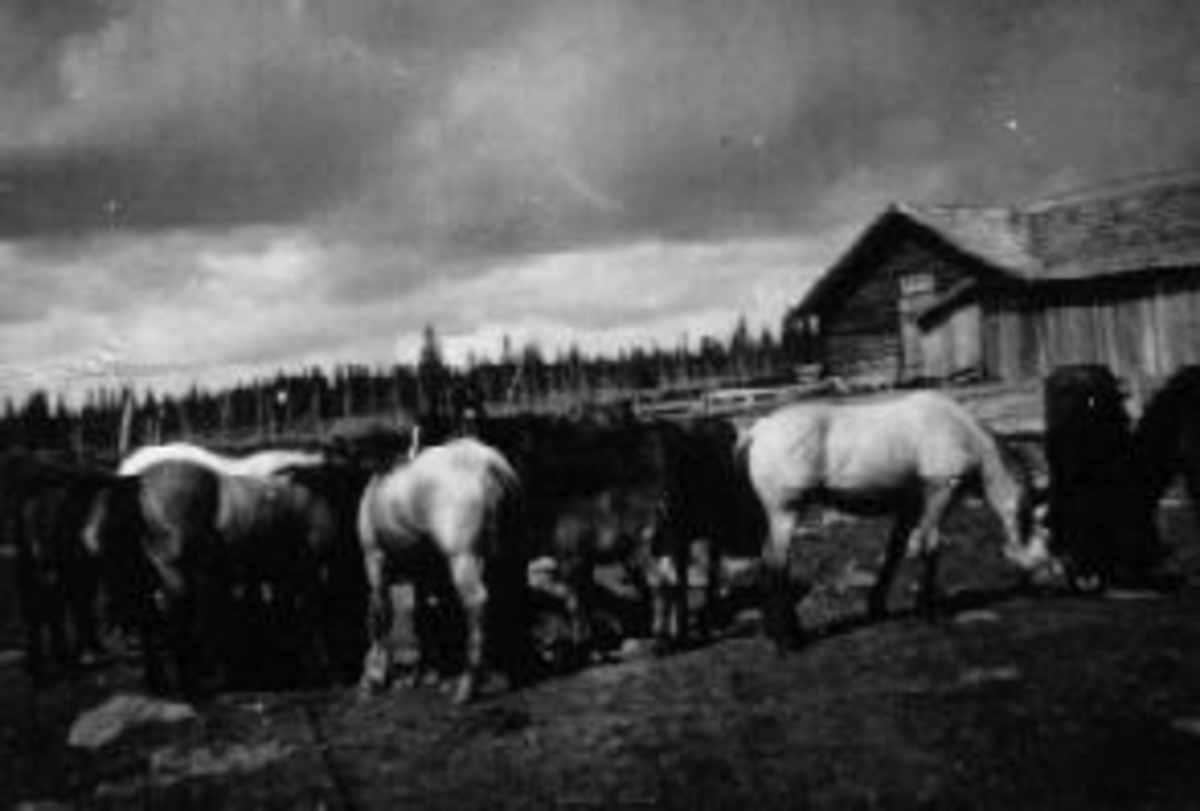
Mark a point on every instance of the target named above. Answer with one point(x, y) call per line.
point(250, 305)
point(477, 128)
point(471, 129)
point(481, 164)
point(177, 114)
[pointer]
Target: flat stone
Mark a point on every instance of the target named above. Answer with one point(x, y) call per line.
point(102, 725)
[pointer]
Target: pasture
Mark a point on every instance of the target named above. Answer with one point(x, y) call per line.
point(1011, 701)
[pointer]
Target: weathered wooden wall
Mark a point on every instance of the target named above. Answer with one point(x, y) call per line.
point(861, 331)
point(1142, 329)
point(954, 346)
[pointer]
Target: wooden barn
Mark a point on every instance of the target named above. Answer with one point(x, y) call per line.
point(937, 293)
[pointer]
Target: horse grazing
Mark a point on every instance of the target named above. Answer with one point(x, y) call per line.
point(913, 457)
point(611, 489)
point(1101, 507)
point(45, 507)
point(257, 465)
point(444, 514)
point(193, 538)
point(598, 491)
point(617, 525)
point(1167, 443)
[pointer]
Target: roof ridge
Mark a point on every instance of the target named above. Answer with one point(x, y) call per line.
point(1109, 189)
point(906, 206)
point(998, 235)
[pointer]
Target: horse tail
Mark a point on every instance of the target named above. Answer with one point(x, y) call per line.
point(508, 478)
point(364, 522)
point(511, 490)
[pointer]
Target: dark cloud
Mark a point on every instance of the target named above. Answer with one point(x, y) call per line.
point(602, 123)
point(177, 115)
point(457, 131)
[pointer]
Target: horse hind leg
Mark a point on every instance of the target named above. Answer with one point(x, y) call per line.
point(672, 597)
point(580, 578)
point(63, 644)
point(436, 628)
point(926, 539)
point(84, 603)
point(467, 572)
point(713, 583)
point(906, 519)
point(377, 668)
point(678, 593)
point(779, 592)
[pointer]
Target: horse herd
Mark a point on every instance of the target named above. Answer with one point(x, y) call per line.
point(296, 551)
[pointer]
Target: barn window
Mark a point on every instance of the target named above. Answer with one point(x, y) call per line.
point(915, 284)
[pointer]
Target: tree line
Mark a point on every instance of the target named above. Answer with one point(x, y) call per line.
point(315, 402)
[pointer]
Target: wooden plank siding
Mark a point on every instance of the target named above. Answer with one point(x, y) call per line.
point(861, 332)
point(1143, 331)
point(1108, 276)
point(954, 346)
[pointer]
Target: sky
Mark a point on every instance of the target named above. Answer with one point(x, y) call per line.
point(210, 190)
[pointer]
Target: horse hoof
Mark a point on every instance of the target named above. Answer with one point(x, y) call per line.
point(464, 692)
point(1087, 583)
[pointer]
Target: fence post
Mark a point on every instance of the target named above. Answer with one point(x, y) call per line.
point(125, 431)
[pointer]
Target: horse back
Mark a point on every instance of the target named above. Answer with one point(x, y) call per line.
point(451, 494)
point(179, 502)
point(848, 447)
point(150, 456)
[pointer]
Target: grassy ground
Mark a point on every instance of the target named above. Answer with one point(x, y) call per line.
point(1009, 701)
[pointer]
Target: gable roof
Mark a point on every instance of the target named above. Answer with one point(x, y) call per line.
point(983, 236)
point(995, 236)
point(1124, 228)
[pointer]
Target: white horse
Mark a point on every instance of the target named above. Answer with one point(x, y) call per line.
point(259, 465)
point(443, 507)
point(912, 456)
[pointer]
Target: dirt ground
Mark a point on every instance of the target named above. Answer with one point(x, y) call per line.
point(1011, 700)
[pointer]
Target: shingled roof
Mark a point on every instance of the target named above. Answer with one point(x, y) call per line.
point(995, 236)
point(1132, 227)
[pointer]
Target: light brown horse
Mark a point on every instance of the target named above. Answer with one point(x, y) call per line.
point(912, 456)
point(180, 538)
point(445, 508)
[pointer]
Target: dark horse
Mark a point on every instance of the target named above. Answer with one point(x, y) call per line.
point(45, 507)
point(607, 489)
point(190, 539)
point(1105, 481)
point(1167, 442)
